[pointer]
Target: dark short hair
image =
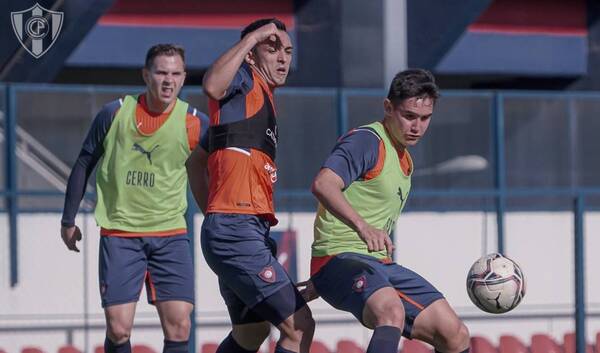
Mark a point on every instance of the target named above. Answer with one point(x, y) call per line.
point(412, 83)
point(259, 23)
point(163, 49)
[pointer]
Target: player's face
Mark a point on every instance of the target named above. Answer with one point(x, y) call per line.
point(408, 120)
point(164, 80)
point(272, 59)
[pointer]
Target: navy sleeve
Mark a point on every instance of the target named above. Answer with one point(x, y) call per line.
point(203, 131)
point(354, 155)
point(241, 83)
point(90, 153)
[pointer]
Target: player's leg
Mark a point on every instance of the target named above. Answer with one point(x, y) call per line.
point(356, 284)
point(439, 326)
point(249, 330)
point(175, 321)
point(170, 286)
point(287, 310)
point(384, 313)
point(237, 248)
point(122, 266)
point(119, 322)
point(429, 317)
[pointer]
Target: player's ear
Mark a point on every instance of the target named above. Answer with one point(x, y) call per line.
point(250, 57)
point(388, 106)
point(146, 75)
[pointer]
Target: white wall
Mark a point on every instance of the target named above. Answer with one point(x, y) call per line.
point(440, 246)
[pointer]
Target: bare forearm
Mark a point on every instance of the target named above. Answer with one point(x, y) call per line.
point(222, 71)
point(329, 193)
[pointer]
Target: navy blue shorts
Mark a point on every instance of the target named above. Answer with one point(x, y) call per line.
point(349, 279)
point(253, 284)
point(165, 263)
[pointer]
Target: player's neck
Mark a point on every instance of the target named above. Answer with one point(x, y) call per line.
point(397, 145)
point(155, 106)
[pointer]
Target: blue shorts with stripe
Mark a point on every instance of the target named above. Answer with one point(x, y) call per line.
point(164, 263)
point(348, 280)
point(255, 287)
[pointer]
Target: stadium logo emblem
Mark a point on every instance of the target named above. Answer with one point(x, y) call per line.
point(37, 28)
point(268, 274)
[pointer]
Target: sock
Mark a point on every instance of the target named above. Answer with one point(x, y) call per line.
point(280, 349)
point(175, 347)
point(229, 345)
point(110, 347)
point(385, 339)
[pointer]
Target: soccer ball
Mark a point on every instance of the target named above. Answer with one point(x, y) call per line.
point(495, 284)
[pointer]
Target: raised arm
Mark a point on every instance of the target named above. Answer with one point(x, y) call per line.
point(222, 71)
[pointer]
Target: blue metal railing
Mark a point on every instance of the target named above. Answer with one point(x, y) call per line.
point(499, 193)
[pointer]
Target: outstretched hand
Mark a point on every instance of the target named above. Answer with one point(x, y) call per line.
point(309, 292)
point(71, 235)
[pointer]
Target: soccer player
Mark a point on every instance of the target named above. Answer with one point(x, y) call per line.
point(362, 188)
point(239, 212)
point(141, 143)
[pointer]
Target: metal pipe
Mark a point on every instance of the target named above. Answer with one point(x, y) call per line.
point(580, 336)
point(500, 168)
point(10, 128)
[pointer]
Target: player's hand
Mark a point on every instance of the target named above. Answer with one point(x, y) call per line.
point(71, 235)
point(376, 239)
point(267, 32)
point(308, 292)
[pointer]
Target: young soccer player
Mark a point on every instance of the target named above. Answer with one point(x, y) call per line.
point(362, 189)
point(239, 209)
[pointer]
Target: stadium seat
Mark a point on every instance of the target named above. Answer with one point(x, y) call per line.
point(347, 346)
point(141, 348)
point(68, 349)
point(482, 345)
point(414, 346)
point(32, 350)
point(210, 347)
point(511, 344)
point(541, 343)
point(570, 344)
point(598, 342)
point(99, 349)
point(318, 347)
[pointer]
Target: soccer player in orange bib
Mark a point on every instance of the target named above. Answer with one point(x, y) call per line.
point(239, 211)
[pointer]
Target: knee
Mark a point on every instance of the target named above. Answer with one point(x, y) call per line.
point(391, 314)
point(118, 334)
point(251, 336)
point(458, 340)
point(300, 326)
point(178, 330)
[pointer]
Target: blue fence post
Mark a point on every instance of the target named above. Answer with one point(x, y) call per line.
point(189, 218)
point(500, 167)
point(342, 111)
point(580, 335)
point(10, 144)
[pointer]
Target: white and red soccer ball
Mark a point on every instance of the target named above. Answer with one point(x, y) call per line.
point(495, 284)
